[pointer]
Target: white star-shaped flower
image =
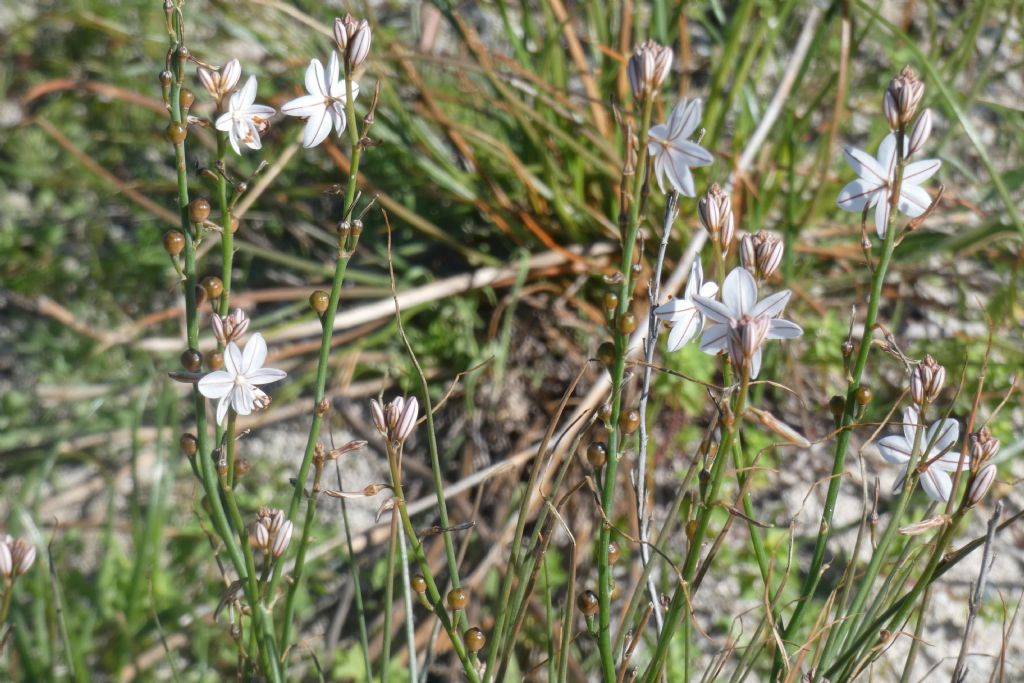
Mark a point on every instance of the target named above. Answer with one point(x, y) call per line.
point(244, 120)
point(674, 154)
point(936, 443)
point(739, 306)
point(874, 186)
point(687, 320)
point(324, 106)
point(235, 385)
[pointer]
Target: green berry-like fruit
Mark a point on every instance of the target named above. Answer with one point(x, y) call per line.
point(198, 210)
point(458, 598)
point(587, 603)
point(837, 406)
point(597, 453)
point(174, 242)
point(176, 132)
point(319, 301)
point(186, 98)
point(191, 360)
point(863, 395)
point(611, 301)
point(606, 353)
point(213, 285)
point(627, 323)
point(475, 639)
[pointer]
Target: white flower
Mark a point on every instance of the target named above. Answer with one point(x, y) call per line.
point(244, 120)
point(673, 153)
point(738, 308)
point(874, 186)
point(325, 103)
point(236, 384)
point(687, 320)
point(936, 443)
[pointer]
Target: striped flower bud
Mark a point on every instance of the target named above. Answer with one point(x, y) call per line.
point(902, 98)
point(379, 421)
point(715, 211)
point(984, 446)
point(353, 38)
point(926, 381)
point(407, 422)
point(746, 338)
point(761, 253)
point(281, 539)
point(648, 68)
point(919, 135)
point(6, 561)
point(231, 327)
point(980, 484)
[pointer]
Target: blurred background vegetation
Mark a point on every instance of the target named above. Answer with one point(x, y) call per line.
point(499, 140)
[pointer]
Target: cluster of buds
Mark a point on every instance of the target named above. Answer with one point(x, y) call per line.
point(926, 381)
point(353, 40)
point(395, 420)
point(983, 447)
point(231, 327)
point(746, 336)
point(271, 532)
point(221, 83)
point(715, 211)
point(761, 253)
point(902, 97)
point(648, 68)
point(16, 557)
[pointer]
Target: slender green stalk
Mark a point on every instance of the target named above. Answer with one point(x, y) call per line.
point(410, 625)
point(353, 566)
point(618, 370)
point(389, 598)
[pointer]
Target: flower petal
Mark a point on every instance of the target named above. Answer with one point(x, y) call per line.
point(222, 409)
point(914, 200)
point(714, 310)
point(715, 339)
point(680, 177)
point(783, 329)
point(864, 165)
point(755, 364)
point(684, 329)
point(305, 106)
point(691, 153)
point(242, 399)
point(882, 214)
point(920, 171)
point(233, 359)
point(685, 118)
point(894, 449)
point(315, 79)
point(224, 122)
point(772, 305)
point(229, 77)
point(937, 485)
point(246, 96)
point(675, 309)
point(265, 376)
point(216, 384)
point(331, 77)
point(911, 423)
point(696, 279)
point(941, 436)
point(318, 127)
point(739, 292)
point(254, 355)
point(856, 194)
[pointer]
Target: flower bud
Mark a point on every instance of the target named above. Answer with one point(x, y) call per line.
point(715, 211)
point(648, 68)
point(761, 253)
point(746, 338)
point(281, 539)
point(407, 421)
point(926, 381)
point(6, 561)
point(23, 556)
point(230, 327)
point(353, 39)
point(378, 416)
point(980, 484)
point(922, 129)
point(221, 83)
point(984, 446)
point(260, 536)
point(902, 97)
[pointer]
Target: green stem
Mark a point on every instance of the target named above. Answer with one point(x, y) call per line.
point(389, 597)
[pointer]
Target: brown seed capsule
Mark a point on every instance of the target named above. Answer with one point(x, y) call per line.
point(319, 300)
point(186, 98)
point(166, 77)
point(587, 603)
point(174, 242)
point(611, 301)
point(458, 598)
point(191, 360)
point(419, 584)
point(606, 353)
point(176, 132)
point(198, 210)
point(475, 639)
point(214, 360)
point(627, 323)
point(863, 395)
point(629, 421)
point(837, 406)
point(597, 453)
point(613, 552)
point(189, 444)
point(242, 467)
point(605, 412)
point(691, 530)
point(213, 285)
point(200, 295)
point(234, 224)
